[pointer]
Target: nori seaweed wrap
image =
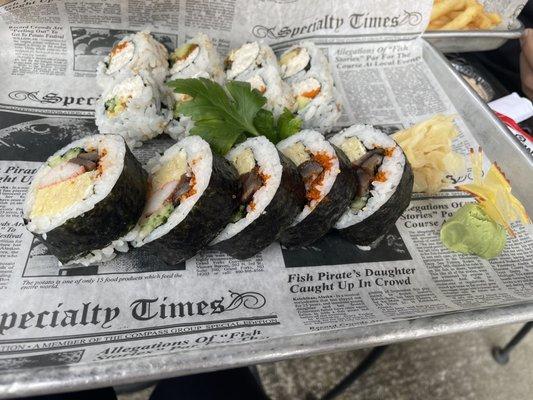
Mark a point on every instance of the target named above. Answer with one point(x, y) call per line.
point(272, 195)
point(329, 183)
point(385, 183)
point(193, 195)
point(85, 196)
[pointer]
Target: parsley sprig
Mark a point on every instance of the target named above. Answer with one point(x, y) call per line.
point(226, 115)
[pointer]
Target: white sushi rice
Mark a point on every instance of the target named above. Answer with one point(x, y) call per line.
point(200, 163)
point(133, 54)
point(204, 63)
point(112, 164)
point(267, 159)
point(207, 63)
point(392, 166)
point(256, 64)
point(277, 92)
point(324, 110)
point(101, 255)
point(147, 110)
point(179, 127)
point(314, 142)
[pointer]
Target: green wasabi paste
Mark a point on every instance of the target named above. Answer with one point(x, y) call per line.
point(472, 231)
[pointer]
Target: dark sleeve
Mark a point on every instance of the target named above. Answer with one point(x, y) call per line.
point(503, 63)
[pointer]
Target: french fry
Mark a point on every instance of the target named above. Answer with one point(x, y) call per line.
point(461, 14)
point(495, 18)
point(482, 21)
point(445, 7)
point(440, 22)
point(455, 14)
point(434, 27)
point(463, 19)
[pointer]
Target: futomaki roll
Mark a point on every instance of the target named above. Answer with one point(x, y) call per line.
point(256, 64)
point(385, 183)
point(329, 183)
point(271, 197)
point(84, 197)
point(308, 72)
point(192, 196)
point(197, 58)
point(134, 54)
point(136, 108)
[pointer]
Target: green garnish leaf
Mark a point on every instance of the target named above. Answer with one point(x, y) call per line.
point(175, 111)
point(220, 116)
point(264, 123)
point(220, 136)
point(241, 138)
point(288, 124)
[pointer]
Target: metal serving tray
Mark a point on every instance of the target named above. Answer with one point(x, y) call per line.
point(464, 41)
point(498, 143)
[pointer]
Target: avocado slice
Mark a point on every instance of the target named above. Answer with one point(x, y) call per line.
point(69, 155)
point(182, 52)
point(113, 106)
point(302, 101)
point(156, 219)
point(359, 203)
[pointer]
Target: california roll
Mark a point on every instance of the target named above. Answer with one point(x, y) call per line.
point(256, 64)
point(134, 54)
point(306, 69)
point(197, 58)
point(136, 108)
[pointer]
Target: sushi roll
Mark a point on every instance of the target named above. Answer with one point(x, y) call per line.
point(84, 197)
point(329, 184)
point(134, 108)
point(133, 54)
point(192, 196)
point(385, 183)
point(271, 197)
point(256, 64)
point(306, 69)
point(197, 58)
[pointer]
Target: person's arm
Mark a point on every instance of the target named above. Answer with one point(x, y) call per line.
point(526, 63)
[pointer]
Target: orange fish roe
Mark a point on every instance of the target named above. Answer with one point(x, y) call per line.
point(100, 168)
point(323, 159)
point(264, 177)
point(118, 47)
point(311, 94)
point(313, 193)
point(381, 176)
point(389, 151)
point(326, 161)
